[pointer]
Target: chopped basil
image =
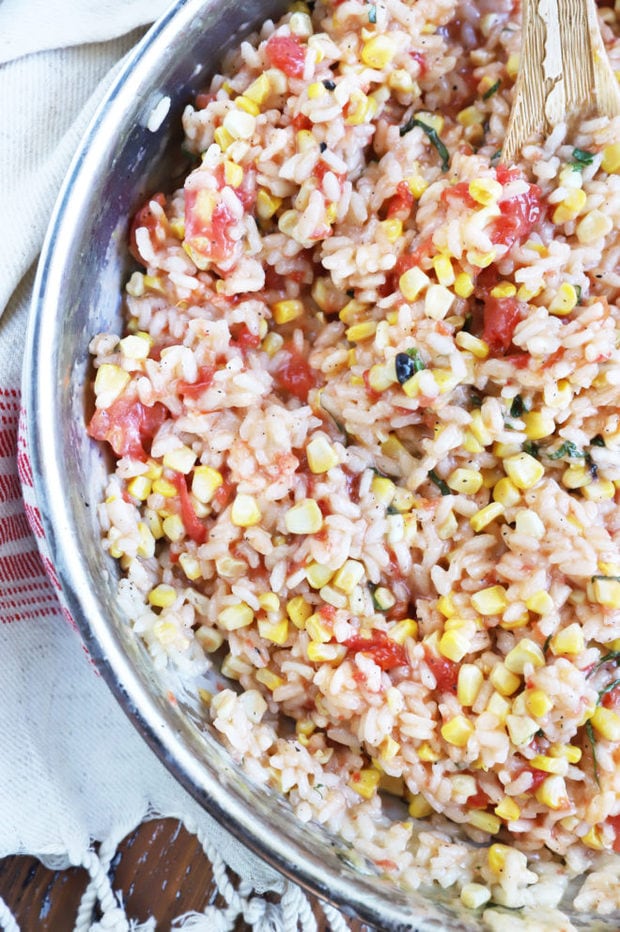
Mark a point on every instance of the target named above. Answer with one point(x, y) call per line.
point(581, 159)
point(607, 689)
point(592, 740)
point(578, 290)
point(530, 447)
point(568, 449)
point(592, 467)
point(492, 89)
point(496, 157)
point(372, 14)
point(433, 138)
point(329, 85)
point(597, 441)
point(476, 400)
point(613, 579)
point(612, 655)
point(372, 587)
point(378, 472)
point(443, 487)
point(546, 644)
point(517, 407)
point(345, 436)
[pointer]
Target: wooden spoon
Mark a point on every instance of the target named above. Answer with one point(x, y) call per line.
point(565, 74)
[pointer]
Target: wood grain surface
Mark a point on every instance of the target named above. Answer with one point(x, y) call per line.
point(160, 869)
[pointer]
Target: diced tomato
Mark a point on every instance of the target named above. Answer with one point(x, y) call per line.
point(538, 777)
point(611, 700)
point(458, 194)
point(320, 170)
point(301, 121)
point(386, 653)
point(203, 100)
point(387, 864)
point(505, 174)
point(328, 612)
point(206, 230)
point(614, 821)
point(445, 672)
point(519, 360)
point(223, 494)
point(244, 337)
point(478, 800)
point(520, 214)
point(195, 389)
point(193, 526)
point(127, 425)
point(401, 203)
point(501, 316)
point(294, 374)
point(144, 218)
point(288, 54)
point(420, 58)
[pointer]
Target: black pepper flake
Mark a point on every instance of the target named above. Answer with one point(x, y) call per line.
point(323, 146)
point(330, 85)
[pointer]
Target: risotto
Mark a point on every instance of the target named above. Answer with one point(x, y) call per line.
point(366, 425)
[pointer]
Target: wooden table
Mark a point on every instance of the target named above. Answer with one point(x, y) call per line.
point(160, 869)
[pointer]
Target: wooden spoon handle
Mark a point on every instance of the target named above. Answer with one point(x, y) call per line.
point(564, 74)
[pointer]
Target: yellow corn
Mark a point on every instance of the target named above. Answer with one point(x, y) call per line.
point(557, 765)
point(406, 628)
point(362, 331)
point(607, 723)
point(304, 518)
point(349, 576)
point(528, 522)
point(454, 644)
point(445, 605)
point(173, 527)
point(233, 174)
point(321, 455)
point(165, 488)
point(472, 344)
point(136, 346)
point(497, 856)
point(401, 81)
point(210, 640)
point(378, 52)
point(605, 592)
point(298, 610)
point(285, 311)
point(361, 108)
point(448, 527)
point(505, 682)
point(427, 754)
point(417, 184)
point(508, 809)
point(110, 382)
point(235, 616)
point(511, 625)
point(537, 702)
point(506, 493)
point(485, 190)
point(162, 596)
point(272, 343)
point(247, 105)
point(318, 575)
point(576, 477)
point(180, 460)
point(599, 490)
point(521, 729)
point(223, 138)
point(403, 499)
point(524, 470)
point(269, 601)
point(464, 285)
point(259, 90)
point(470, 116)
point(245, 511)
point(413, 282)
point(266, 204)
point(526, 652)
point(269, 679)
point(490, 601)
point(443, 270)
point(457, 731)
point(365, 782)
point(485, 821)
point(486, 516)
point(568, 751)
point(479, 429)
point(381, 376)
point(569, 640)
point(393, 229)
point(466, 481)
point(504, 290)
point(474, 895)
point(538, 425)
point(239, 124)
point(570, 207)
point(552, 793)
point(419, 807)
point(205, 483)
point(316, 89)
point(468, 685)
point(140, 487)
point(437, 301)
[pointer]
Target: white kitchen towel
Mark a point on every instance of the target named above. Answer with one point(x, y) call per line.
point(73, 771)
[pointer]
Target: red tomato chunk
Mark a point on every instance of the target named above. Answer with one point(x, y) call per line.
point(294, 375)
point(287, 53)
point(206, 231)
point(519, 216)
point(386, 653)
point(501, 316)
point(445, 672)
point(193, 526)
point(127, 425)
point(195, 389)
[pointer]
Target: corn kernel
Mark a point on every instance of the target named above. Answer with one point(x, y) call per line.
point(508, 809)
point(381, 376)
point(245, 511)
point(363, 331)
point(162, 596)
point(607, 723)
point(527, 522)
point(468, 685)
point(180, 460)
point(360, 109)
point(233, 174)
point(173, 528)
point(210, 639)
point(611, 158)
point(557, 765)
point(413, 282)
point(448, 527)
point(419, 807)
point(538, 425)
point(383, 598)
point(466, 481)
point(568, 751)
point(269, 679)
point(474, 895)
point(437, 301)
point(454, 644)
point(479, 429)
point(564, 301)
point(505, 682)
point(570, 207)
point(298, 610)
point(378, 51)
point(285, 311)
point(304, 518)
point(485, 821)
point(110, 382)
point(401, 81)
point(497, 856)
point(140, 487)
point(318, 575)
point(525, 653)
point(319, 652)
point(411, 387)
point(569, 640)
point(443, 270)
point(349, 575)
point(365, 782)
point(190, 566)
point(392, 228)
point(524, 470)
point(605, 592)
point(457, 731)
point(593, 839)
point(485, 191)
point(486, 516)
point(165, 488)
point(426, 753)
point(321, 455)
point(259, 90)
point(445, 605)
point(402, 630)
point(506, 493)
point(300, 22)
point(470, 116)
point(537, 702)
point(223, 138)
point(576, 477)
point(417, 184)
point(552, 793)
point(477, 347)
point(521, 729)
point(136, 346)
point(490, 601)
point(599, 490)
point(316, 89)
point(235, 616)
point(266, 204)
point(464, 285)
point(205, 483)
